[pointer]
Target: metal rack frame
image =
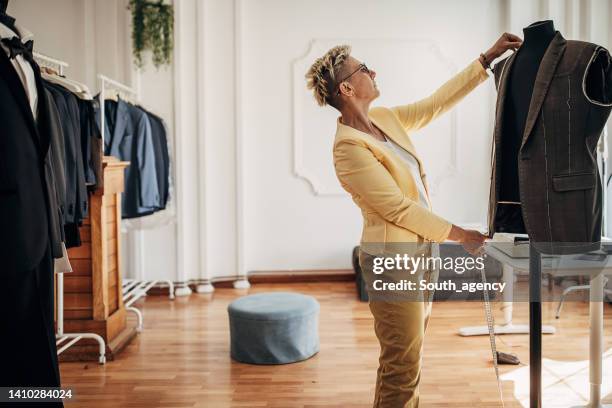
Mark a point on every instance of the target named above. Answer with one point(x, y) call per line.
point(133, 289)
point(65, 340)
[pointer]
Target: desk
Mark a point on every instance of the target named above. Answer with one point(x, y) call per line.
point(509, 266)
point(570, 265)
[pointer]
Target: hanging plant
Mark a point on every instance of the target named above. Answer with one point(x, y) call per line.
point(152, 29)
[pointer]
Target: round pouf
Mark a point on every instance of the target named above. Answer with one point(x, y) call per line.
point(274, 328)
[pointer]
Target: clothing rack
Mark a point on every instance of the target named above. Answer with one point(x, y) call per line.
point(49, 62)
point(133, 289)
point(63, 341)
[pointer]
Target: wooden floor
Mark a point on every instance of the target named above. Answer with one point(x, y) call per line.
point(182, 357)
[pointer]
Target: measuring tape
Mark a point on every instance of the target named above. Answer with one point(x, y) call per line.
point(491, 327)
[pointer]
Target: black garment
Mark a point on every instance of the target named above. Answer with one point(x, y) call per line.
point(162, 159)
point(55, 172)
point(129, 137)
point(91, 143)
point(76, 190)
point(29, 225)
point(558, 177)
point(28, 339)
point(28, 204)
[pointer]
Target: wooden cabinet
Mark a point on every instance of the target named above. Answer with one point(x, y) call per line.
point(93, 299)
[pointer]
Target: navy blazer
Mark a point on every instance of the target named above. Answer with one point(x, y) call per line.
point(131, 139)
point(162, 157)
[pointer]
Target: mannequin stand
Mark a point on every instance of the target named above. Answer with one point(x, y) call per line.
point(535, 328)
point(508, 326)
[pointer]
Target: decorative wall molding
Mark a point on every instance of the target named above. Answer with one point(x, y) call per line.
point(299, 169)
point(316, 47)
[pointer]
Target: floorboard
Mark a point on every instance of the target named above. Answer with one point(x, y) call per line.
point(181, 359)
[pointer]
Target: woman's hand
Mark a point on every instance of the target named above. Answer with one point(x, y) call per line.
point(471, 240)
point(506, 42)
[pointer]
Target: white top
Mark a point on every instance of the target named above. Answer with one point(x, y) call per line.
point(22, 66)
point(413, 166)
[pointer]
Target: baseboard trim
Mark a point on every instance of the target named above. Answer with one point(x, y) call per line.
point(330, 275)
point(259, 277)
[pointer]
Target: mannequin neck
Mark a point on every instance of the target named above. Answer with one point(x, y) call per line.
point(539, 35)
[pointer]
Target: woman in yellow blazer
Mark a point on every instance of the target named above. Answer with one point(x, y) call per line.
point(378, 166)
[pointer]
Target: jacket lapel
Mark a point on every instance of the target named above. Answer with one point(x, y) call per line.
point(397, 134)
point(13, 82)
point(547, 68)
point(502, 90)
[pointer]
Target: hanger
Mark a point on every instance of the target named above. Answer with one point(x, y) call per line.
point(115, 95)
point(78, 89)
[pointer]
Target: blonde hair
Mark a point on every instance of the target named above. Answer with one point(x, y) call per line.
point(321, 76)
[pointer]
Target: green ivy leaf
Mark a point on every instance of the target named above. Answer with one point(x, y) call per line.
point(152, 30)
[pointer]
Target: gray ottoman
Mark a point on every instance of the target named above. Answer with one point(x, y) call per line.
point(274, 328)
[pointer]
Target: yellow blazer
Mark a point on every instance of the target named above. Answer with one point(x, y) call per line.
point(378, 180)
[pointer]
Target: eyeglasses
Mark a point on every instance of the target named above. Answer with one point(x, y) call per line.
point(362, 67)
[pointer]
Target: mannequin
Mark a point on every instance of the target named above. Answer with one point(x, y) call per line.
point(554, 98)
point(30, 227)
point(520, 87)
point(509, 217)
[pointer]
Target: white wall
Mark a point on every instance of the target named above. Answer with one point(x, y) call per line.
point(255, 187)
point(414, 46)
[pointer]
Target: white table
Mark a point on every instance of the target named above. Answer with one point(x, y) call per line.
point(569, 265)
point(508, 327)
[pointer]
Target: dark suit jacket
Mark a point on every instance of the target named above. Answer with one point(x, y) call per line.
point(91, 143)
point(559, 183)
point(29, 211)
point(76, 192)
point(162, 159)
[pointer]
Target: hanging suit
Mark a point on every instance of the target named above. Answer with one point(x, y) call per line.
point(70, 114)
point(162, 157)
point(130, 138)
point(558, 179)
point(91, 143)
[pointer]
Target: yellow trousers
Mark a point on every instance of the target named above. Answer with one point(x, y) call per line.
point(400, 327)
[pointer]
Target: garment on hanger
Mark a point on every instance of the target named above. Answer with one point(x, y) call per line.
point(57, 158)
point(130, 138)
point(162, 157)
point(557, 176)
point(91, 143)
point(76, 190)
point(90, 133)
point(164, 176)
